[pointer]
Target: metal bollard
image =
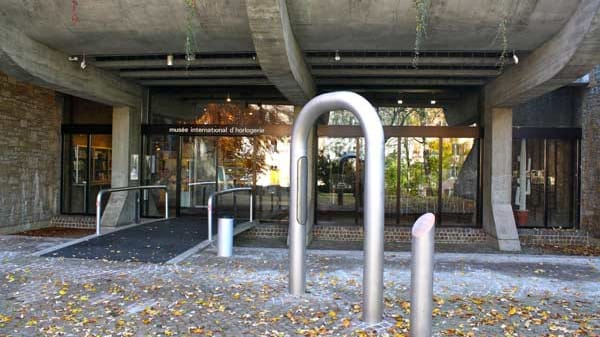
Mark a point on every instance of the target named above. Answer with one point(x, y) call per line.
point(225, 237)
point(421, 276)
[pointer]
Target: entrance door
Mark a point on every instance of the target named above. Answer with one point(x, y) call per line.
point(198, 167)
point(86, 170)
point(209, 164)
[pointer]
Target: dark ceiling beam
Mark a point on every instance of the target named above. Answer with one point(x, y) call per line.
point(405, 72)
point(406, 61)
point(400, 81)
point(192, 73)
point(208, 82)
point(177, 63)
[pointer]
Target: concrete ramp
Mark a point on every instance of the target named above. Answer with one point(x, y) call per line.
point(155, 242)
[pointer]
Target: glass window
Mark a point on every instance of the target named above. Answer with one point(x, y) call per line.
point(459, 181)
point(86, 171)
point(419, 177)
point(160, 168)
point(338, 178)
point(544, 185)
point(272, 178)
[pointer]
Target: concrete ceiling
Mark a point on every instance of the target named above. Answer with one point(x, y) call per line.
point(133, 27)
point(374, 39)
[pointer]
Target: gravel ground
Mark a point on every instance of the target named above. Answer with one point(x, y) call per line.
point(475, 295)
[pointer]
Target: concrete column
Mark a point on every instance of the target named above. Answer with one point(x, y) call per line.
point(498, 219)
point(126, 141)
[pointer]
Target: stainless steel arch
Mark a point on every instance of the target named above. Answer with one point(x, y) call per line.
point(374, 195)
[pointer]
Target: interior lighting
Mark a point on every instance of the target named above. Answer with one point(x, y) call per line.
point(400, 102)
point(170, 60)
point(337, 56)
point(515, 58)
point(433, 102)
point(190, 57)
point(228, 99)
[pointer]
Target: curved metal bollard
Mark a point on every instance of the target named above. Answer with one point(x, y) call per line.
point(421, 276)
point(374, 195)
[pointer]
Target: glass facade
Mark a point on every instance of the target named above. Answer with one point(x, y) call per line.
point(545, 186)
point(426, 170)
point(86, 170)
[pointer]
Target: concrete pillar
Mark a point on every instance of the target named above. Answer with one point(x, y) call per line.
point(498, 219)
point(126, 142)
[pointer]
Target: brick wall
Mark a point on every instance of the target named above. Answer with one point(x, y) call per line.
point(30, 119)
point(590, 152)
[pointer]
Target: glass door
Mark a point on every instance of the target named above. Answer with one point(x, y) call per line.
point(75, 173)
point(339, 190)
point(87, 162)
point(160, 168)
point(198, 174)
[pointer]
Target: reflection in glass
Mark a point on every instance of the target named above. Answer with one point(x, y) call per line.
point(198, 174)
point(551, 188)
point(101, 163)
point(419, 178)
point(273, 180)
point(338, 181)
point(160, 168)
point(75, 173)
point(459, 182)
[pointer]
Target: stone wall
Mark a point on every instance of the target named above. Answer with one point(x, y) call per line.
point(590, 152)
point(30, 119)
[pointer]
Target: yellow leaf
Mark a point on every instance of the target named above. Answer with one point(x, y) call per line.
point(512, 311)
point(332, 314)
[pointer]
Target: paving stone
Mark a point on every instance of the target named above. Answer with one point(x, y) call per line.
point(246, 295)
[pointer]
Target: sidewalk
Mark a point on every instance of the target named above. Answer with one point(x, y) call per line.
point(475, 295)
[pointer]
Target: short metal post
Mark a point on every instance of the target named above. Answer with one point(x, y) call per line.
point(225, 237)
point(421, 277)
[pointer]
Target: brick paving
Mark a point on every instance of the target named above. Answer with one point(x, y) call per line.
point(475, 295)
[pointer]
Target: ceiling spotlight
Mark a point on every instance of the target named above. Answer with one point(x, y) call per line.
point(83, 65)
point(433, 101)
point(73, 58)
point(515, 58)
point(190, 57)
point(170, 60)
point(254, 57)
point(337, 56)
point(400, 102)
point(228, 99)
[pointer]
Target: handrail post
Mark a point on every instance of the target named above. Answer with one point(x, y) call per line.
point(251, 204)
point(209, 205)
point(98, 211)
point(166, 203)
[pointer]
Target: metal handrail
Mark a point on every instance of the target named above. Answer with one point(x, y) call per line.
point(200, 183)
point(132, 188)
point(217, 193)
